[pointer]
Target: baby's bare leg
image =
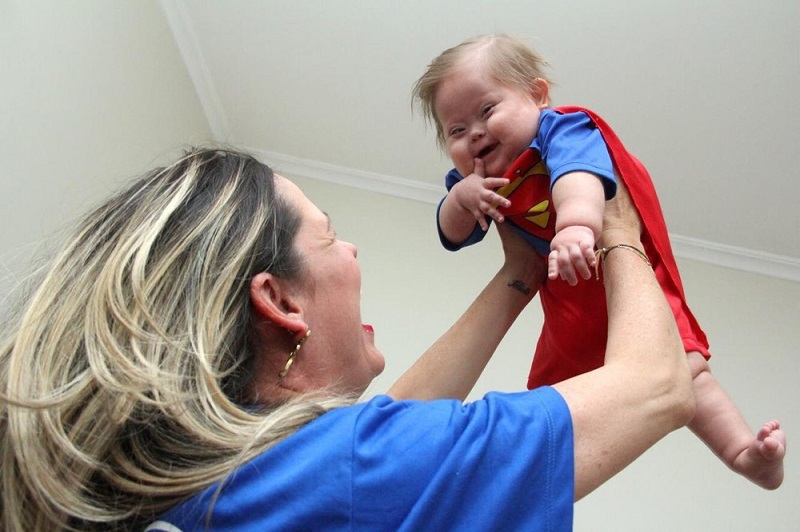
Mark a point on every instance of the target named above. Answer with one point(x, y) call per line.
point(718, 422)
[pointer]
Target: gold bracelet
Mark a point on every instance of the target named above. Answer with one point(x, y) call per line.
point(602, 252)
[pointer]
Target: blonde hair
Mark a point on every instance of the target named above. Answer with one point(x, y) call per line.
point(124, 373)
point(509, 60)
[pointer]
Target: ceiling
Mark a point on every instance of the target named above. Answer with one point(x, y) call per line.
point(705, 94)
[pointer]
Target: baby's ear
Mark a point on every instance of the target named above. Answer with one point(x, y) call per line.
point(540, 91)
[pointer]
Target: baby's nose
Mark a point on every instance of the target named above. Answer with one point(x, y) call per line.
point(477, 133)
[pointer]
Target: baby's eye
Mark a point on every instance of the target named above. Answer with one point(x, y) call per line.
point(455, 131)
point(486, 110)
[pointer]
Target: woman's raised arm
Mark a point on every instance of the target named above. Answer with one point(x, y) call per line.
point(452, 365)
point(644, 390)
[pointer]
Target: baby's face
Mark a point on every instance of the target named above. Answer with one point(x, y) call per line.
point(482, 118)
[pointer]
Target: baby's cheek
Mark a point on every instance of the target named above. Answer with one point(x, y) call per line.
point(460, 158)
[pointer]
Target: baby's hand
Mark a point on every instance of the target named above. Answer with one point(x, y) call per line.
point(571, 251)
point(476, 194)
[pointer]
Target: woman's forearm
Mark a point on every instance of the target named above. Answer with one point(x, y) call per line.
point(452, 365)
point(643, 391)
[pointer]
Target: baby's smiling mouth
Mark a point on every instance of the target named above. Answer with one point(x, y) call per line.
point(486, 151)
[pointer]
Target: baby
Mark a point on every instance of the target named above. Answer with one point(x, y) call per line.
point(547, 173)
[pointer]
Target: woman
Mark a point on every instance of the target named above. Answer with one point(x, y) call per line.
point(193, 356)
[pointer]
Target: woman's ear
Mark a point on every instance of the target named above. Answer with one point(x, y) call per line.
point(272, 300)
point(540, 91)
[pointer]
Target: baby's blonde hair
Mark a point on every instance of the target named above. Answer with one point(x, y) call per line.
point(509, 60)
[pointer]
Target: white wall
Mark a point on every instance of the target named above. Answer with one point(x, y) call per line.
point(95, 92)
point(92, 93)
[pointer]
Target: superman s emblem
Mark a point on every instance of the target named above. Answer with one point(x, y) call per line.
point(529, 191)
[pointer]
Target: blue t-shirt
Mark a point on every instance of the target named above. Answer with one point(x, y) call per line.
point(566, 142)
point(505, 462)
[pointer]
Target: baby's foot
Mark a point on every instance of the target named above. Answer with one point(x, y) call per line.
point(762, 461)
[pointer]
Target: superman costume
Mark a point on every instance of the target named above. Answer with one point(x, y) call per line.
point(575, 327)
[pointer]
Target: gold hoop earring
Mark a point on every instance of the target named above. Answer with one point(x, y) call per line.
point(293, 354)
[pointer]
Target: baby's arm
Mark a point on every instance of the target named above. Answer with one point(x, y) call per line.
point(579, 200)
point(471, 199)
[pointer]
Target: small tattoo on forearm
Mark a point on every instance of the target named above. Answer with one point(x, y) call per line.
point(520, 286)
